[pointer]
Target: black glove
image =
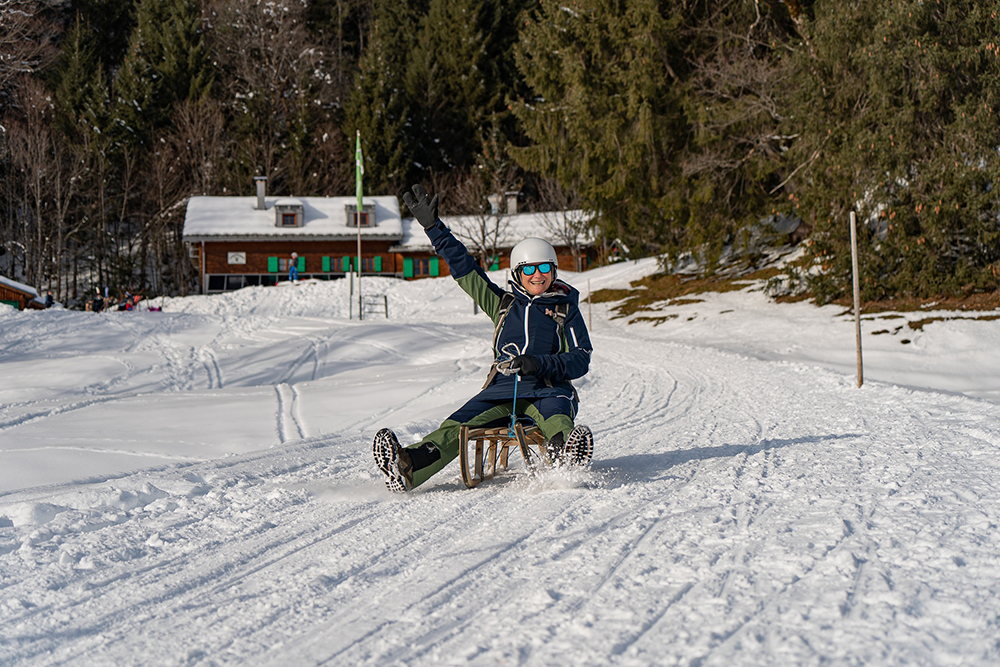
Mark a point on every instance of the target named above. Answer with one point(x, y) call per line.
point(424, 209)
point(525, 365)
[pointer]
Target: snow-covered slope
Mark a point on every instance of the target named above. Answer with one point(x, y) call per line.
point(195, 487)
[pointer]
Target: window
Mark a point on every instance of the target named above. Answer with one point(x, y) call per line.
point(367, 215)
point(289, 213)
point(421, 266)
point(371, 264)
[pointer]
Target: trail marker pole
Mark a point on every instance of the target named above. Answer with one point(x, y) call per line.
point(857, 294)
point(359, 170)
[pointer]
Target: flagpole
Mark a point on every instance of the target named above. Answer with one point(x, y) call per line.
point(359, 170)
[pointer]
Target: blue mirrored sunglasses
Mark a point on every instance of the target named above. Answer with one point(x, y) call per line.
point(529, 269)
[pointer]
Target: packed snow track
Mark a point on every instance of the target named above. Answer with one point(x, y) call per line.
point(212, 500)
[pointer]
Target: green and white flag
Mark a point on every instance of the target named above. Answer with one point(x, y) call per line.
point(359, 170)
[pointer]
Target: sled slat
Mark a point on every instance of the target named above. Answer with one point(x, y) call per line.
point(479, 459)
point(483, 450)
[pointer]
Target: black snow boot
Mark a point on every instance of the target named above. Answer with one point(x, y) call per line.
point(579, 446)
point(393, 461)
point(555, 447)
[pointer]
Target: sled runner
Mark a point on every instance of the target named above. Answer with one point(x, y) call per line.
point(483, 449)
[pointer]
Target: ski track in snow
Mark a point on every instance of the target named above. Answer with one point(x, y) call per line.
point(737, 511)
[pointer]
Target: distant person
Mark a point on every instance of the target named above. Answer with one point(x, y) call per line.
point(293, 267)
point(49, 301)
point(540, 337)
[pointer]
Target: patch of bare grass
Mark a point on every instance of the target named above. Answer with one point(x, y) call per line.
point(982, 301)
point(659, 290)
point(918, 325)
point(656, 292)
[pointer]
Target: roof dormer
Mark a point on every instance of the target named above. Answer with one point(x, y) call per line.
point(288, 213)
point(367, 215)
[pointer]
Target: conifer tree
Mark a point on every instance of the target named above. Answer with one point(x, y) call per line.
point(897, 106)
point(182, 60)
point(604, 116)
point(504, 83)
point(379, 106)
point(134, 93)
point(75, 74)
point(110, 23)
point(166, 63)
point(445, 81)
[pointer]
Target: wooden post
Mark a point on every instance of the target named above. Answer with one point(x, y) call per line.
point(857, 294)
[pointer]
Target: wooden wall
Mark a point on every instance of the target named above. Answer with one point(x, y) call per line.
point(216, 260)
point(258, 252)
point(23, 300)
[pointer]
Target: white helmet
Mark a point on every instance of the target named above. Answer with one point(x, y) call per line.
point(532, 251)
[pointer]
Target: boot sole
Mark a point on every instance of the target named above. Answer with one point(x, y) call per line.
point(580, 446)
point(385, 450)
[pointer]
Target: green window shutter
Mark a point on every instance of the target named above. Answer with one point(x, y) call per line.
point(378, 264)
point(302, 264)
point(495, 266)
point(345, 264)
point(326, 265)
point(272, 264)
point(435, 268)
point(407, 267)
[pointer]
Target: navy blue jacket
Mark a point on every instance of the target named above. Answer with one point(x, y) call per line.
point(529, 324)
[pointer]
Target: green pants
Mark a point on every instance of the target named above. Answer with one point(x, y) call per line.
point(552, 415)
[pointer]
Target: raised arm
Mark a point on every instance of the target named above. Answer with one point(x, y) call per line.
point(464, 268)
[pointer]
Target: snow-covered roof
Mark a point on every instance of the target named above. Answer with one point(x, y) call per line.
point(514, 228)
point(20, 287)
point(237, 218)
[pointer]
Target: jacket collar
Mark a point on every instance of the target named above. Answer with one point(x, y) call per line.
point(557, 290)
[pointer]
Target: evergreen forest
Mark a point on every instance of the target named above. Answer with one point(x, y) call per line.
point(684, 126)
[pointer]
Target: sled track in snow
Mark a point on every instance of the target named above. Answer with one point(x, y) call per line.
point(737, 511)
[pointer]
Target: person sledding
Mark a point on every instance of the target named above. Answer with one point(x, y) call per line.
point(540, 337)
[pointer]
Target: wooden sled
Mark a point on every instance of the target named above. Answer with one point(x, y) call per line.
point(483, 449)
